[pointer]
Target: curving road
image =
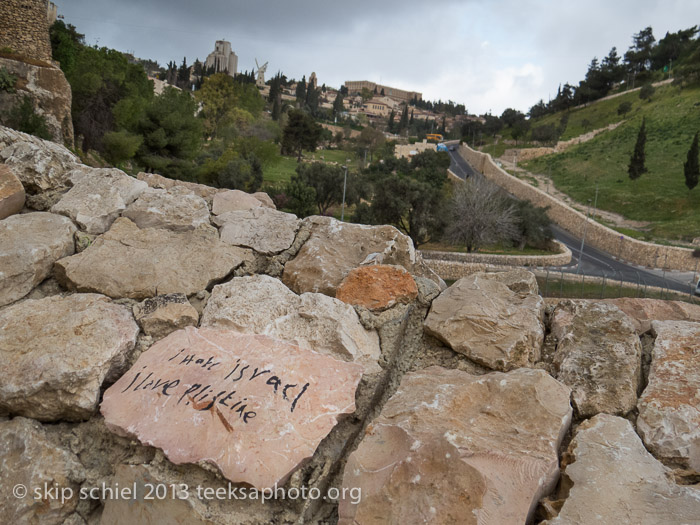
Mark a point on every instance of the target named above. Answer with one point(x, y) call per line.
point(593, 261)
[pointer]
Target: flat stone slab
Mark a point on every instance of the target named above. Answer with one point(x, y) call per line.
point(377, 287)
point(611, 478)
point(29, 245)
point(451, 447)
point(254, 406)
point(669, 408)
point(11, 193)
point(481, 317)
point(130, 262)
point(98, 197)
point(265, 230)
point(643, 311)
point(598, 355)
point(159, 182)
point(57, 352)
point(234, 200)
point(176, 209)
point(334, 248)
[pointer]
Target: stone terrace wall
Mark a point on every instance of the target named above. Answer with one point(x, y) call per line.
point(557, 259)
point(597, 235)
point(24, 28)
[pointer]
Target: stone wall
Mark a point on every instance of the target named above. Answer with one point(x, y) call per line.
point(558, 259)
point(524, 154)
point(24, 28)
point(597, 235)
point(349, 377)
point(404, 150)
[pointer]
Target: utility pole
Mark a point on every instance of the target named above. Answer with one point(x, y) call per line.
point(595, 203)
point(345, 183)
point(583, 239)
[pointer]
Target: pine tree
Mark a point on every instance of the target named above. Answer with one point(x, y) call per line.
point(636, 167)
point(691, 169)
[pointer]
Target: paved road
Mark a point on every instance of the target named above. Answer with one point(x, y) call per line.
point(595, 262)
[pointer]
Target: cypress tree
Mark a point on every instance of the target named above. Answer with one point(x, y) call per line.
point(276, 108)
point(403, 123)
point(691, 169)
point(636, 167)
point(301, 91)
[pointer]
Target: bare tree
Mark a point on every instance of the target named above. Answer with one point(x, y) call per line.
point(481, 214)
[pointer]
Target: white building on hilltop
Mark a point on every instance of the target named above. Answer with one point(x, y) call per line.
point(222, 59)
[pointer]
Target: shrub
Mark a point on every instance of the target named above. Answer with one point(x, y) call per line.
point(7, 80)
point(646, 92)
point(624, 108)
point(24, 118)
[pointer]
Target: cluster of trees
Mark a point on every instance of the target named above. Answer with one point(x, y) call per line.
point(449, 107)
point(646, 60)
point(214, 135)
point(415, 196)
point(482, 214)
point(407, 125)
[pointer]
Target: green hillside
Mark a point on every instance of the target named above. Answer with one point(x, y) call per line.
point(660, 195)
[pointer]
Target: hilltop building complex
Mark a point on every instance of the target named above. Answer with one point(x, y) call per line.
point(356, 86)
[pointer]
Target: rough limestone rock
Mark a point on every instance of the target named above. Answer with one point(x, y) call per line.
point(233, 200)
point(611, 478)
point(58, 351)
point(450, 447)
point(29, 459)
point(518, 280)
point(163, 314)
point(482, 318)
point(98, 197)
point(669, 408)
point(377, 287)
point(49, 93)
point(176, 209)
point(11, 193)
point(40, 165)
point(643, 311)
point(598, 355)
point(29, 246)
point(334, 248)
point(159, 182)
point(265, 199)
point(254, 406)
point(264, 230)
point(263, 305)
point(130, 262)
point(140, 509)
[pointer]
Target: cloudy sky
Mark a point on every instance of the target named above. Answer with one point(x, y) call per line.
point(486, 54)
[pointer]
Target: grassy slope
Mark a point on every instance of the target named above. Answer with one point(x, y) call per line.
point(281, 170)
point(659, 196)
